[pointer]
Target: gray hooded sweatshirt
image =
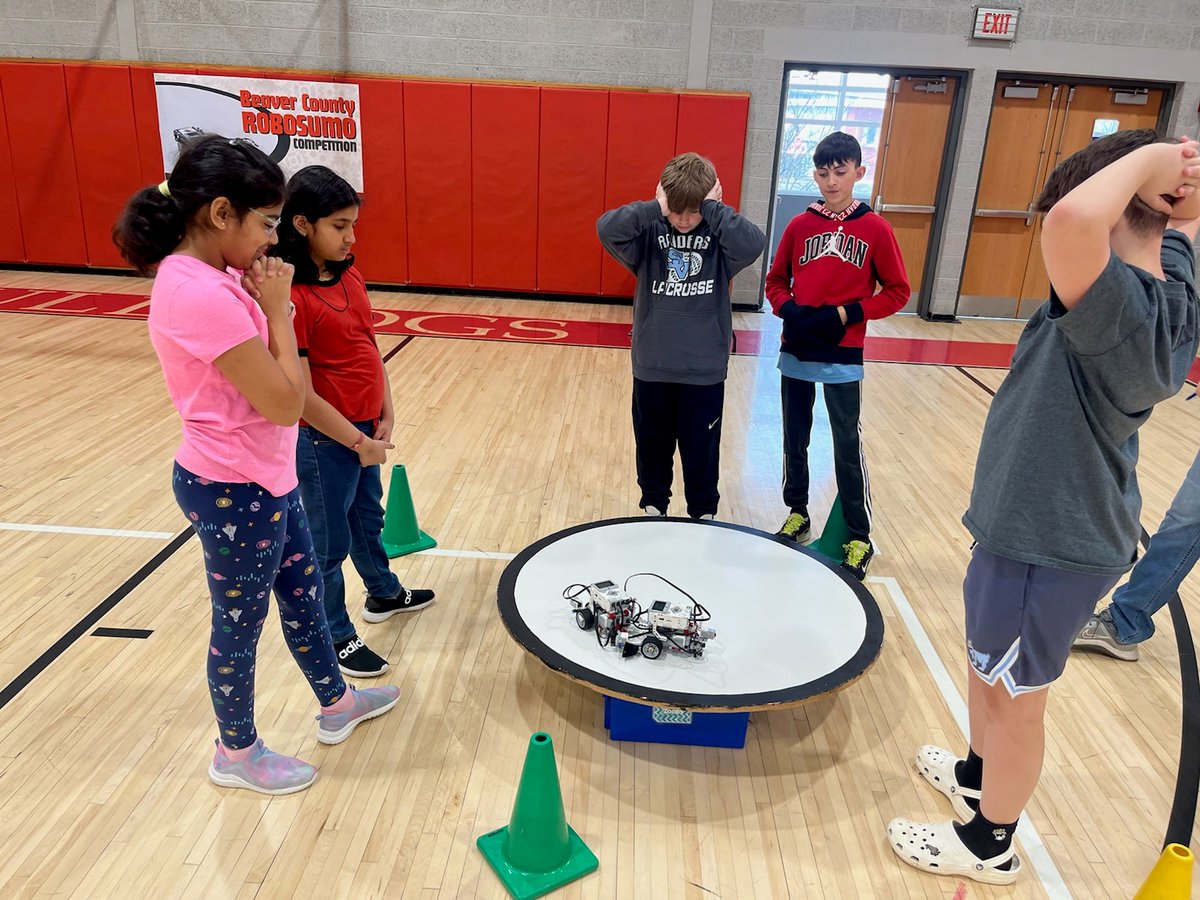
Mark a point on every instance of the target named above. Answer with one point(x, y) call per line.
point(682, 320)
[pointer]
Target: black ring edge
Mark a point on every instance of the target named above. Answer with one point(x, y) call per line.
point(849, 671)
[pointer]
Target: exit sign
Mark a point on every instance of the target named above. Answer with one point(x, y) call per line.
point(996, 24)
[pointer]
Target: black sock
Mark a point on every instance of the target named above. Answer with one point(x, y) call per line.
point(986, 839)
point(969, 773)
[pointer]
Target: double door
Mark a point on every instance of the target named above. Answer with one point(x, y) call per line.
point(1034, 126)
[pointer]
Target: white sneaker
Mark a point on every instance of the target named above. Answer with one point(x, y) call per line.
point(939, 850)
point(709, 517)
point(654, 511)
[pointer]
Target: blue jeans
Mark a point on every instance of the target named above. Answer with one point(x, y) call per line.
point(1172, 553)
point(344, 502)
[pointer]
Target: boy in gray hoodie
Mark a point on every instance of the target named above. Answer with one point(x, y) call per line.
point(684, 247)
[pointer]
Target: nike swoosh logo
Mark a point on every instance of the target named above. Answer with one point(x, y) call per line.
point(713, 423)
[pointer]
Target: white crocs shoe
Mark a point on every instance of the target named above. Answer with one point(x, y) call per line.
point(937, 765)
point(937, 849)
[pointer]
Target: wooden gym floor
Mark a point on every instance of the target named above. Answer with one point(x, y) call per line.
point(104, 741)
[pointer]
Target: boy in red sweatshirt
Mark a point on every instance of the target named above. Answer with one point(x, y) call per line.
point(823, 282)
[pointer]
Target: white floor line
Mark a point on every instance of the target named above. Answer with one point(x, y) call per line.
point(466, 554)
point(1034, 850)
point(72, 529)
point(1031, 842)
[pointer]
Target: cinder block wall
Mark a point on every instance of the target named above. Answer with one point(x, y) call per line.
point(715, 44)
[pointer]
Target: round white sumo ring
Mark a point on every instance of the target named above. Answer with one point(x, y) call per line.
point(790, 625)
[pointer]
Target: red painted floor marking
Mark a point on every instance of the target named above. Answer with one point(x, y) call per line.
point(524, 329)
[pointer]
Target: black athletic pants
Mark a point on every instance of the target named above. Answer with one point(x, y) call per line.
point(665, 413)
point(844, 403)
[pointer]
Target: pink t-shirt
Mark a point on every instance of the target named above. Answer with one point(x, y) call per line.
point(196, 314)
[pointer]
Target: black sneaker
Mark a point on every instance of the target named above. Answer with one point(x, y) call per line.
point(857, 558)
point(357, 660)
point(795, 528)
point(380, 609)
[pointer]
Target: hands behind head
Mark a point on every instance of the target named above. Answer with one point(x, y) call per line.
point(1172, 177)
point(716, 192)
point(1186, 208)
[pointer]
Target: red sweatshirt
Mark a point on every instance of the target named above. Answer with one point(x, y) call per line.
point(826, 260)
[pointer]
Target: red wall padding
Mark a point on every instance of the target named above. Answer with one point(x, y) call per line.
point(641, 138)
point(39, 132)
point(504, 185)
point(106, 152)
point(571, 189)
point(437, 169)
point(487, 185)
point(145, 115)
point(12, 245)
point(382, 251)
point(715, 127)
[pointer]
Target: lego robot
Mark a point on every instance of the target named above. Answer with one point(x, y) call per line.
point(619, 620)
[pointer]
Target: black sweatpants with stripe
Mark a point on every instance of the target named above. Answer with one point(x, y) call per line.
point(844, 403)
point(666, 414)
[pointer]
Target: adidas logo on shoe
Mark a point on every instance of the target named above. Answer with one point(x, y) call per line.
point(357, 660)
point(350, 647)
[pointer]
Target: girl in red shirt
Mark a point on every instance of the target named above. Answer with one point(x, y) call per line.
point(348, 418)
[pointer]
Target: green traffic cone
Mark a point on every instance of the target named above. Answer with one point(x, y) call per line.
point(400, 532)
point(537, 852)
point(835, 535)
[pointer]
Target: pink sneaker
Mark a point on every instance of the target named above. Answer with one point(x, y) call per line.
point(367, 704)
point(263, 770)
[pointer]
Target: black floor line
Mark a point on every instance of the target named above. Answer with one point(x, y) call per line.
point(976, 380)
point(136, 633)
point(40, 664)
point(400, 346)
point(1187, 781)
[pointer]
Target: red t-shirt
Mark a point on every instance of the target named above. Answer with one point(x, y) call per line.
point(334, 328)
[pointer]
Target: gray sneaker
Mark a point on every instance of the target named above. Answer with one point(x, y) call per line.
point(1100, 634)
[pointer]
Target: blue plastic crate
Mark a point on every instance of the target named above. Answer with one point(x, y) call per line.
point(628, 721)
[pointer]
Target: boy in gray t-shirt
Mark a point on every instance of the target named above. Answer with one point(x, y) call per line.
point(1055, 504)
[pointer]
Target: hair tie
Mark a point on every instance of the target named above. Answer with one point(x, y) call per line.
point(164, 189)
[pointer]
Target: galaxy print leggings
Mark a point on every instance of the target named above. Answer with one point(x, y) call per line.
point(254, 542)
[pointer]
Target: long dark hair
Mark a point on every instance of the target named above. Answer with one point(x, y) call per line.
point(154, 223)
point(314, 192)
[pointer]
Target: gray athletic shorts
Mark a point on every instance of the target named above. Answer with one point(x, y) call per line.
point(1022, 618)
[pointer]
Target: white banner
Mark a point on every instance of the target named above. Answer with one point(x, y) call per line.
point(296, 123)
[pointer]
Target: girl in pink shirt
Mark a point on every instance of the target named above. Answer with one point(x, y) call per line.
point(232, 371)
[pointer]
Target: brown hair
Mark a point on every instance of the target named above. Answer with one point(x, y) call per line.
point(686, 181)
point(1083, 164)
